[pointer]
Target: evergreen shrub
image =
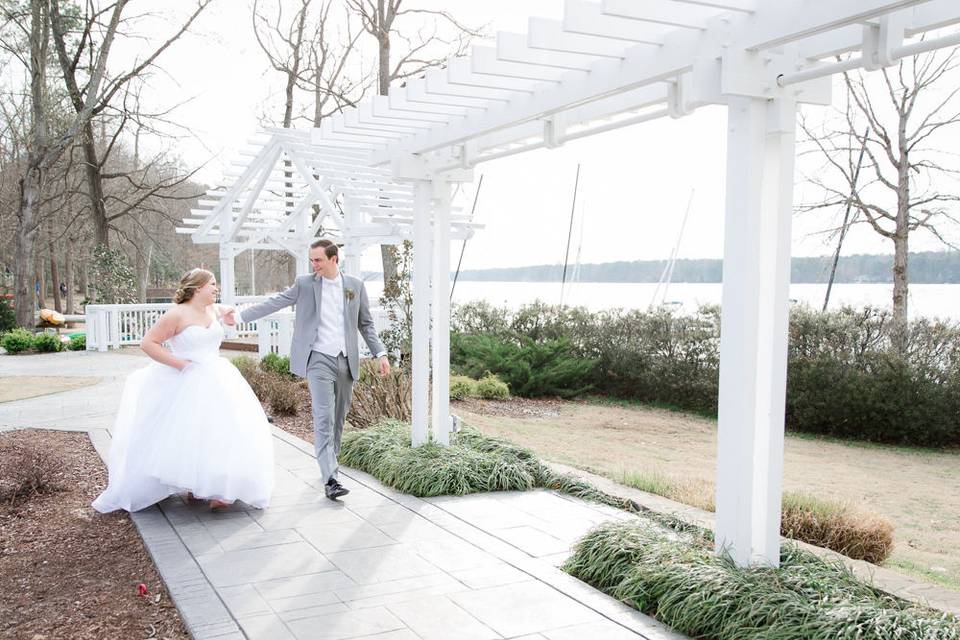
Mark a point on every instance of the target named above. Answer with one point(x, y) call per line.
point(490, 387)
point(47, 342)
point(529, 368)
point(277, 364)
point(462, 387)
point(17, 341)
point(77, 343)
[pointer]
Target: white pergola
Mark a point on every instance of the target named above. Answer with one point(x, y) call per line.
point(286, 193)
point(613, 63)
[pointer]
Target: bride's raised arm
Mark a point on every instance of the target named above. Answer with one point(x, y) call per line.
point(226, 313)
point(165, 328)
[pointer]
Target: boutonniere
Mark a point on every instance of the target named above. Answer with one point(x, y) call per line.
point(349, 293)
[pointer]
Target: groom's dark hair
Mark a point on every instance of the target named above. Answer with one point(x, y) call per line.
point(329, 248)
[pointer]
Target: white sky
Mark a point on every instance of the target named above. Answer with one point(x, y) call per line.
point(634, 185)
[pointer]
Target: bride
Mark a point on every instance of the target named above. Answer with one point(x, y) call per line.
point(188, 420)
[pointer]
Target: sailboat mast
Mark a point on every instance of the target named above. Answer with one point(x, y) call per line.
point(566, 255)
point(473, 209)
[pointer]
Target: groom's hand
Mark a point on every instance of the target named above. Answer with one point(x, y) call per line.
point(384, 366)
point(230, 317)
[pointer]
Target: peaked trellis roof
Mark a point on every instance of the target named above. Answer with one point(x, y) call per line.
point(288, 192)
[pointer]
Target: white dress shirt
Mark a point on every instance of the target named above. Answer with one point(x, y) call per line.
point(330, 333)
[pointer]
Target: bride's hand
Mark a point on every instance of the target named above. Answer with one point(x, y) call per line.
point(184, 365)
point(229, 316)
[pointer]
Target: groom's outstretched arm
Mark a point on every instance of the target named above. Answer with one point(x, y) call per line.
point(271, 305)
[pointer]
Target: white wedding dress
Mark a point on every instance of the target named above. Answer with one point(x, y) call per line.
point(201, 429)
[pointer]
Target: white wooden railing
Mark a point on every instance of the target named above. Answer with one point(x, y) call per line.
point(119, 325)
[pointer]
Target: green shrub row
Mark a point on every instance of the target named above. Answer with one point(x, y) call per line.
point(21, 340)
point(843, 378)
point(679, 580)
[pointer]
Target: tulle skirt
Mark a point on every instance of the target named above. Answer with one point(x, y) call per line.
point(201, 430)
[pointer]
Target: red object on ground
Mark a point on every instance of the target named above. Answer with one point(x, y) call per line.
point(142, 589)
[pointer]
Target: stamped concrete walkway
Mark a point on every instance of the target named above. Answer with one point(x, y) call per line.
point(377, 564)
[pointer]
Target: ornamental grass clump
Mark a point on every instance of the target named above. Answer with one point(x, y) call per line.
point(679, 580)
point(838, 526)
point(471, 463)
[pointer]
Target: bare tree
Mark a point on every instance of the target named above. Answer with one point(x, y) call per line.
point(424, 45)
point(895, 117)
point(44, 145)
point(77, 81)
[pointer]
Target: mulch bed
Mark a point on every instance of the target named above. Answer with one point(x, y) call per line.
point(67, 571)
point(301, 424)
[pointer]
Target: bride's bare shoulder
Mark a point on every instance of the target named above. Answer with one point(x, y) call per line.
point(174, 318)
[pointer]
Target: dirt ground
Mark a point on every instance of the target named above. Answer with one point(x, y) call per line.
point(68, 572)
point(21, 387)
point(916, 490)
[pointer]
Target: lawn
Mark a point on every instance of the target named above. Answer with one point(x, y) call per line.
point(915, 489)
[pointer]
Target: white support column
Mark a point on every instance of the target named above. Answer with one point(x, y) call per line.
point(753, 342)
point(228, 281)
point(422, 254)
point(303, 260)
point(441, 312)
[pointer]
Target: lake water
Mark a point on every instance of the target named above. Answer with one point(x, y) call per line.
point(930, 300)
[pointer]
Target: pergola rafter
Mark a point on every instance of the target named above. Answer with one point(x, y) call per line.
point(609, 64)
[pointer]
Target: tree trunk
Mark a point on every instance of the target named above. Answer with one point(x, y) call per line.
point(54, 274)
point(84, 281)
point(143, 271)
point(291, 268)
point(98, 209)
point(42, 279)
point(25, 274)
point(900, 329)
point(68, 268)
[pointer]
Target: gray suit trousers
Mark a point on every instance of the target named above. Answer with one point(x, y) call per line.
point(331, 389)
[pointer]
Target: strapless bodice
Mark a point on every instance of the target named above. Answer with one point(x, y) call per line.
point(197, 343)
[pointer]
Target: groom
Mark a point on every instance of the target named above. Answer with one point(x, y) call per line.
point(330, 309)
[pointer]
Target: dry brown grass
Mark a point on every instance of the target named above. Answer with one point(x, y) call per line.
point(838, 526)
point(831, 524)
point(377, 397)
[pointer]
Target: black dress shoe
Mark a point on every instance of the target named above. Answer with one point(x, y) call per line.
point(334, 489)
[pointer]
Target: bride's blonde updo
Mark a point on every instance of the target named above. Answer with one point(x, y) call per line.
point(190, 282)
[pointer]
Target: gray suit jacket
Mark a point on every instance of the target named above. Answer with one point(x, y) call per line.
point(307, 294)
